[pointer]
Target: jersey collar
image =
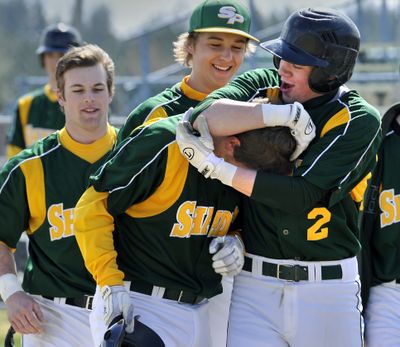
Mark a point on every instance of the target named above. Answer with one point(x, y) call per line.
point(190, 92)
point(90, 152)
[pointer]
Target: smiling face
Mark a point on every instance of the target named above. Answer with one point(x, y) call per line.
point(216, 58)
point(294, 82)
point(85, 100)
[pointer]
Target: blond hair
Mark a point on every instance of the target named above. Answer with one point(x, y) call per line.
point(185, 40)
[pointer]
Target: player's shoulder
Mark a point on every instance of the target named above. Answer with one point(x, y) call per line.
point(157, 133)
point(37, 151)
point(359, 107)
point(44, 146)
point(259, 79)
point(35, 93)
point(165, 127)
point(260, 73)
point(35, 97)
point(28, 98)
point(167, 96)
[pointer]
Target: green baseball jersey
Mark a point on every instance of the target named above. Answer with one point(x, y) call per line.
point(344, 151)
point(37, 115)
point(385, 240)
point(39, 188)
point(172, 101)
point(163, 211)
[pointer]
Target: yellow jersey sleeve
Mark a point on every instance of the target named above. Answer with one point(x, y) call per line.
point(94, 228)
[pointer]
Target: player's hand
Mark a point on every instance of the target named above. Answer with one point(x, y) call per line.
point(228, 258)
point(199, 150)
point(117, 302)
point(196, 149)
point(296, 118)
point(24, 313)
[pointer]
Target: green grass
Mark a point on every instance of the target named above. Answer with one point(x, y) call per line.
point(4, 325)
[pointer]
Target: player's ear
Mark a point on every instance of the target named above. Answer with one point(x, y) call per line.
point(60, 98)
point(191, 43)
point(231, 143)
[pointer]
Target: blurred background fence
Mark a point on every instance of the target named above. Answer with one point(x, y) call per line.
point(144, 61)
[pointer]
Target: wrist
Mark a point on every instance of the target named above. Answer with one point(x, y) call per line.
point(274, 115)
point(224, 172)
point(9, 285)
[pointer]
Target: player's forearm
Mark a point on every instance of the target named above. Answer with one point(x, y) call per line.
point(228, 117)
point(94, 228)
point(9, 283)
point(243, 180)
point(7, 264)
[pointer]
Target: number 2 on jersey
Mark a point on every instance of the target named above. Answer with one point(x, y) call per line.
point(317, 232)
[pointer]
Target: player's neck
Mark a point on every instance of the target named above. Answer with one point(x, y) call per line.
point(198, 85)
point(86, 136)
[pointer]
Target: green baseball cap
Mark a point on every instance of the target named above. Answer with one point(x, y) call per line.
point(221, 16)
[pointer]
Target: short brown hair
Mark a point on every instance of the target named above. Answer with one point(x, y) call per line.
point(185, 40)
point(268, 149)
point(85, 56)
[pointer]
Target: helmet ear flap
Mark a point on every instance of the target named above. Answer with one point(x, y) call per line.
point(321, 81)
point(276, 61)
point(325, 80)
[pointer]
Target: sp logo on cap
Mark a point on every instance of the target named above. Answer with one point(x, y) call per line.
point(229, 12)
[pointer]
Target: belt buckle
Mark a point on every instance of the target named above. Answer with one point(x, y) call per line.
point(88, 302)
point(295, 268)
point(278, 271)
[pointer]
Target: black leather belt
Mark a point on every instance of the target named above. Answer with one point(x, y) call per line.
point(170, 294)
point(85, 301)
point(295, 272)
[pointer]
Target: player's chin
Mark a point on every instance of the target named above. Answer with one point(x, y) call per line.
point(288, 98)
point(92, 123)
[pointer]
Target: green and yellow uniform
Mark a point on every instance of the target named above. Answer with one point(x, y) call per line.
point(39, 189)
point(301, 232)
point(385, 240)
point(153, 215)
point(37, 115)
point(172, 101)
point(281, 220)
point(381, 244)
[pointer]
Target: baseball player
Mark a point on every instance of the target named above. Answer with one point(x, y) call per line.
point(37, 113)
point(39, 188)
point(153, 232)
point(300, 284)
point(214, 47)
point(380, 232)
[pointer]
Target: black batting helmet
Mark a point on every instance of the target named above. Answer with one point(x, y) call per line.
point(142, 335)
point(323, 38)
point(58, 38)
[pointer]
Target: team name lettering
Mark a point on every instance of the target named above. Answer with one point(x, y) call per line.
point(196, 220)
point(389, 204)
point(61, 222)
